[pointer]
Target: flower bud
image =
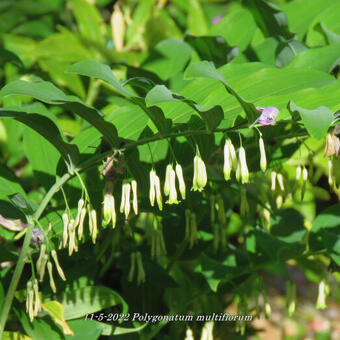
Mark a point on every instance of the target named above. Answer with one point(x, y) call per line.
point(118, 27)
point(65, 230)
point(267, 309)
point(43, 267)
point(322, 296)
point(140, 268)
point(331, 177)
point(189, 335)
point(81, 203)
point(233, 157)
point(273, 178)
point(125, 203)
point(81, 223)
point(265, 212)
point(304, 179)
point(41, 255)
point(72, 237)
point(173, 193)
point(158, 193)
point(37, 302)
point(108, 206)
point(122, 202)
point(127, 206)
point(93, 221)
point(263, 159)
point(30, 300)
point(57, 264)
point(167, 180)
point(227, 160)
point(207, 331)
point(279, 201)
point(181, 183)
point(50, 273)
point(155, 190)
point(152, 191)
point(298, 173)
point(280, 181)
point(134, 196)
point(200, 174)
point(242, 165)
point(290, 297)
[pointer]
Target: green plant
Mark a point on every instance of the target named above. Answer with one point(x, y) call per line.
point(157, 177)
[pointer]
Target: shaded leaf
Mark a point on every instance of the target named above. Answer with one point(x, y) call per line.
point(271, 20)
point(46, 128)
point(56, 310)
point(48, 93)
point(323, 58)
point(89, 300)
point(213, 49)
point(316, 121)
point(207, 70)
point(160, 94)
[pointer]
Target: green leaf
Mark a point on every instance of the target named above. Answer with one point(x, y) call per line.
point(142, 13)
point(56, 310)
point(39, 329)
point(316, 121)
point(160, 94)
point(91, 24)
point(205, 69)
point(197, 23)
point(87, 300)
point(42, 155)
point(9, 183)
point(213, 49)
point(327, 219)
point(56, 71)
point(164, 59)
point(85, 329)
point(48, 93)
point(216, 271)
point(271, 20)
point(64, 47)
point(329, 18)
point(15, 336)
point(46, 128)
point(286, 51)
point(300, 14)
point(283, 228)
point(108, 329)
point(237, 27)
point(6, 56)
point(20, 202)
point(323, 58)
point(92, 68)
point(331, 37)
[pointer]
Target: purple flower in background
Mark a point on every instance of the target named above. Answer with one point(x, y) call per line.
point(268, 114)
point(37, 237)
point(215, 20)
